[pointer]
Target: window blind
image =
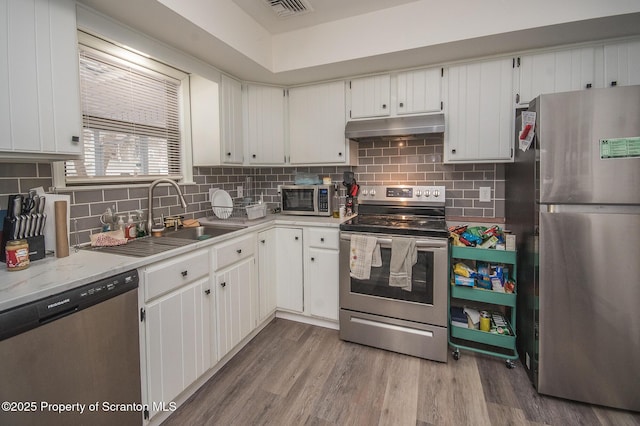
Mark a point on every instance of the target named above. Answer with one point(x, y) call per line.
point(131, 122)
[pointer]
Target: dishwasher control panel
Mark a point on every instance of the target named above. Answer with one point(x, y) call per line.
point(31, 315)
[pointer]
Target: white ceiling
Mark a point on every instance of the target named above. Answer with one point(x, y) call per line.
point(322, 11)
point(343, 38)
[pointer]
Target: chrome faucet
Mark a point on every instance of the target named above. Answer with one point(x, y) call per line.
point(150, 196)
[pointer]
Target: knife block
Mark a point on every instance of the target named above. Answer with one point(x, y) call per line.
point(36, 244)
point(7, 230)
point(36, 247)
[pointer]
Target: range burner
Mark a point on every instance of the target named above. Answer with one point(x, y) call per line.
point(403, 210)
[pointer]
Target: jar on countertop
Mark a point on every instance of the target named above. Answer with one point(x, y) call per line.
point(17, 255)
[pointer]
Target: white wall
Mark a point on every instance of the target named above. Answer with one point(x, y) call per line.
point(226, 21)
point(428, 23)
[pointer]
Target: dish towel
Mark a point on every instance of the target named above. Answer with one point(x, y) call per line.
point(403, 256)
point(364, 253)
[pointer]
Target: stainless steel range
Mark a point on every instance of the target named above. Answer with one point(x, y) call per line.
point(374, 310)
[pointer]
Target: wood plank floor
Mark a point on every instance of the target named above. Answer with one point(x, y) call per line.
point(294, 374)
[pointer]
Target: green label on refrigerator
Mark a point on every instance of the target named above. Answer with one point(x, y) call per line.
point(620, 148)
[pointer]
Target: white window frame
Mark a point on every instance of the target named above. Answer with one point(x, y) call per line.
point(143, 60)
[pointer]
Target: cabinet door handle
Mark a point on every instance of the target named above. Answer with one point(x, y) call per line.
point(75, 139)
point(228, 154)
point(453, 151)
point(589, 86)
point(223, 284)
point(262, 241)
point(207, 292)
point(339, 154)
point(313, 259)
point(322, 240)
point(184, 273)
point(401, 104)
point(614, 83)
point(239, 251)
point(384, 106)
point(296, 238)
point(254, 156)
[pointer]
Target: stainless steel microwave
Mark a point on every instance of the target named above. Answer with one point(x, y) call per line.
point(308, 200)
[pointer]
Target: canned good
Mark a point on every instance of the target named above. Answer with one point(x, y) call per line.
point(485, 321)
point(17, 255)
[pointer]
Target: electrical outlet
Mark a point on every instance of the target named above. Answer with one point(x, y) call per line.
point(485, 194)
point(240, 190)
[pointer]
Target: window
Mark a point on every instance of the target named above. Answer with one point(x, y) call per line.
point(131, 116)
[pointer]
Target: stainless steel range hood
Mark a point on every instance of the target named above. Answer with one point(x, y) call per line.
point(394, 127)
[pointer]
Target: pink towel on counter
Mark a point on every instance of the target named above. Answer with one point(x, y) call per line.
point(403, 256)
point(364, 253)
point(108, 239)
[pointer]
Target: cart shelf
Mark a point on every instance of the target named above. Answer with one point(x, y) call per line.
point(482, 295)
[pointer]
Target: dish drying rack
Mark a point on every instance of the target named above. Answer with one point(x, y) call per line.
point(240, 210)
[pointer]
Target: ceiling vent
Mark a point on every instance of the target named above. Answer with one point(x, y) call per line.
point(287, 8)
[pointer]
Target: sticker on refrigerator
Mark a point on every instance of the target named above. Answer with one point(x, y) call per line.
point(620, 148)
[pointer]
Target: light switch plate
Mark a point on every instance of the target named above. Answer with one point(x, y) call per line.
point(485, 194)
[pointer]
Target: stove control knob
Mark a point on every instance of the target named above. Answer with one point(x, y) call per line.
point(365, 192)
point(418, 193)
point(372, 192)
point(427, 193)
point(436, 193)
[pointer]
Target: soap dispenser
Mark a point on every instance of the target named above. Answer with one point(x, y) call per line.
point(130, 229)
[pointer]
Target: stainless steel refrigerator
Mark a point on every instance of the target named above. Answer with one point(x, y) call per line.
point(573, 201)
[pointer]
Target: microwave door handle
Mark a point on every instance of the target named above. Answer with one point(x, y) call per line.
point(315, 200)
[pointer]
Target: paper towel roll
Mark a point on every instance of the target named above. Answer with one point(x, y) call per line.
point(62, 235)
point(49, 226)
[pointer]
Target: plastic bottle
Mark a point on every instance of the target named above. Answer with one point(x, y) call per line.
point(121, 226)
point(336, 204)
point(130, 230)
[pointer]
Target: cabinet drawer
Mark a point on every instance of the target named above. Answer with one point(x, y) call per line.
point(233, 251)
point(323, 238)
point(169, 275)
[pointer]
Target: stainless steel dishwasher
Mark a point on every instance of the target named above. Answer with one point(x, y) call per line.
point(73, 358)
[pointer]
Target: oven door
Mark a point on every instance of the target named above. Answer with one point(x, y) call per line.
point(426, 302)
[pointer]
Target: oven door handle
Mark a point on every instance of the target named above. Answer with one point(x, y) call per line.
point(420, 244)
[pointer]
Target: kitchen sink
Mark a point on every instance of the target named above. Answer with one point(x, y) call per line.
point(201, 232)
point(148, 246)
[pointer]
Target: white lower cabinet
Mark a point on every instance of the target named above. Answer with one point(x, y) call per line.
point(236, 292)
point(267, 278)
point(289, 271)
point(321, 264)
point(176, 326)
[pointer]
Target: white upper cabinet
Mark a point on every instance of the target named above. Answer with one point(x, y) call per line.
point(370, 96)
point(316, 124)
point(479, 112)
point(205, 125)
point(622, 64)
point(40, 113)
point(558, 71)
point(264, 115)
point(231, 121)
point(419, 91)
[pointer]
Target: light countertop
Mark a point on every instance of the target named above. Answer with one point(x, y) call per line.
point(53, 275)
